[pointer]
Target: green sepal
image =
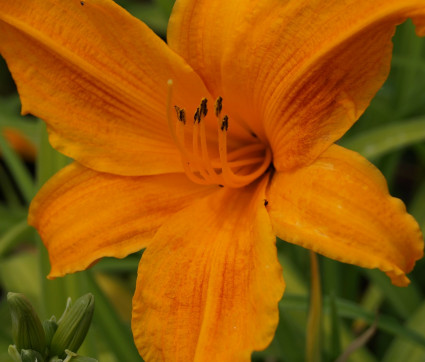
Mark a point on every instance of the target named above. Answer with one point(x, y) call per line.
point(27, 331)
point(73, 326)
point(67, 308)
point(29, 355)
point(14, 354)
point(50, 326)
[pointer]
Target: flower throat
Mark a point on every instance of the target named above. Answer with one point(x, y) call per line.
point(236, 168)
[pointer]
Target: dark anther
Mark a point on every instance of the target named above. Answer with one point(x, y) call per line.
point(220, 185)
point(225, 123)
point(82, 3)
point(181, 114)
point(218, 106)
point(197, 116)
point(204, 109)
point(177, 108)
point(253, 134)
point(265, 202)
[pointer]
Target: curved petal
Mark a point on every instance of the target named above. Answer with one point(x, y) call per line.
point(98, 77)
point(340, 207)
point(299, 72)
point(83, 215)
point(209, 284)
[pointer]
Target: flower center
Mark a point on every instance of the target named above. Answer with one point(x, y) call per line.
point(207, 160)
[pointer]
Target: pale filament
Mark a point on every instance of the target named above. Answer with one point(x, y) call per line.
point(236, 168)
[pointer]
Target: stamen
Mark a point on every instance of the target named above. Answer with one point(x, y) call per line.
point(204, 147)
point(225, 123)
point(197, 116)
point(181, 114)
point(177, 133)
point(218, 106)
point(203, 107)
point(232, 179)
point(237, 167)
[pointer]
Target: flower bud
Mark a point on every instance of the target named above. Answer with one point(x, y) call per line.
point(73, 326)
point(27, 331)
point(67, 308)
point(14, 354)
point(50, 326)
point(29, 355)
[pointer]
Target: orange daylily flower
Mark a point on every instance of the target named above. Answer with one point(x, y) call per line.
point(262, 91)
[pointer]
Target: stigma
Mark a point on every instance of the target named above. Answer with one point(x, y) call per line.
point(205, 156)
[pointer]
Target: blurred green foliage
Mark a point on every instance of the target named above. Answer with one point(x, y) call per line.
point(391, 134)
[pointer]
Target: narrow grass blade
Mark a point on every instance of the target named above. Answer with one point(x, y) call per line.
point(404, 300)
point(314, 324)
point(403, 349)
point(20, 173)
point(347, 309)
point(390, 137)
point(10, 194)
point(113, 331)
point(335, 332)
point(357, 343)
point(14, 235)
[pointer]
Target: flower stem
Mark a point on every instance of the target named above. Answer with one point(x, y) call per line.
point(313, 351)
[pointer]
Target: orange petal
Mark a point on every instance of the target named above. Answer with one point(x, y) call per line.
point(300, 73)
point(209, 284)
point(83, 215)
point(340, 207)
point(98, 77)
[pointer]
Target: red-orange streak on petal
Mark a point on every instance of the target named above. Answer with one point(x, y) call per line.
point(209, 283)
point(340, 207)
point(83, 215)
point(98, 77)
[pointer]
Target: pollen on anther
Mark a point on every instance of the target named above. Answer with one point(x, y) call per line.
point(203, 109)
point(218, 106)
point(181, 114)
point(225, 123)
point(197, 116)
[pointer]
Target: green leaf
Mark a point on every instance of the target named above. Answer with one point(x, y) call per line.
point(10, 118)
point(111, 328)
point(351, 310)
point(335, 333)
point(403, 349)
point(20, 273)
point(166, 6)
point(407, 77)
point(10, 193)
point(150, 14)
point(18, 169)
point(417, 206)
point(404, 300)
point(358, 343)
point(379, 141)
point(14, 235)
point(314, 324)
